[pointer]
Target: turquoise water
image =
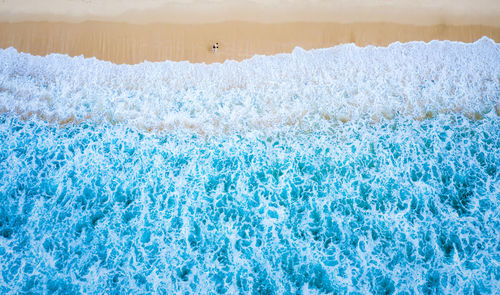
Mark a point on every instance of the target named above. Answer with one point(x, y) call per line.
point(378, 179)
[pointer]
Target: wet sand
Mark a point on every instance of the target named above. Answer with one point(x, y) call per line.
point(134, 43)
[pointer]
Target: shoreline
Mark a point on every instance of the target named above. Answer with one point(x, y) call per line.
point(125, 43)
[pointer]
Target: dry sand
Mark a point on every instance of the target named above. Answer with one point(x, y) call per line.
point(134, 43)
point(415, 12)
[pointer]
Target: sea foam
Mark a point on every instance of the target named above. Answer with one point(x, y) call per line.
point(343, 170)
point(304, 89)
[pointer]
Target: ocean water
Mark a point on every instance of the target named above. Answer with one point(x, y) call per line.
point(344, 170)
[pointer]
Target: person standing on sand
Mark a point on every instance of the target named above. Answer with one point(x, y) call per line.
point(215, 47)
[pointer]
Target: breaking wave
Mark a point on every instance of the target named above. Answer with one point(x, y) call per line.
point(305, 89)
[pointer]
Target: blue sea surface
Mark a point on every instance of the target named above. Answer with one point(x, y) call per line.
point(359, 170)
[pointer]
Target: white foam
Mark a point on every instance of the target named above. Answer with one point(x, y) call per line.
point(302, 90)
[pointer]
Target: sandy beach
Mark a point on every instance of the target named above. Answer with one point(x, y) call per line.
point(134, 43)
point(127, 31)
point(414, 12)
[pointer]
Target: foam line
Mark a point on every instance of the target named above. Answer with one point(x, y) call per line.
point(302, 90)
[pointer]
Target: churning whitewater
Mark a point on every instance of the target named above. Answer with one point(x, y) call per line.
point(341, 170)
